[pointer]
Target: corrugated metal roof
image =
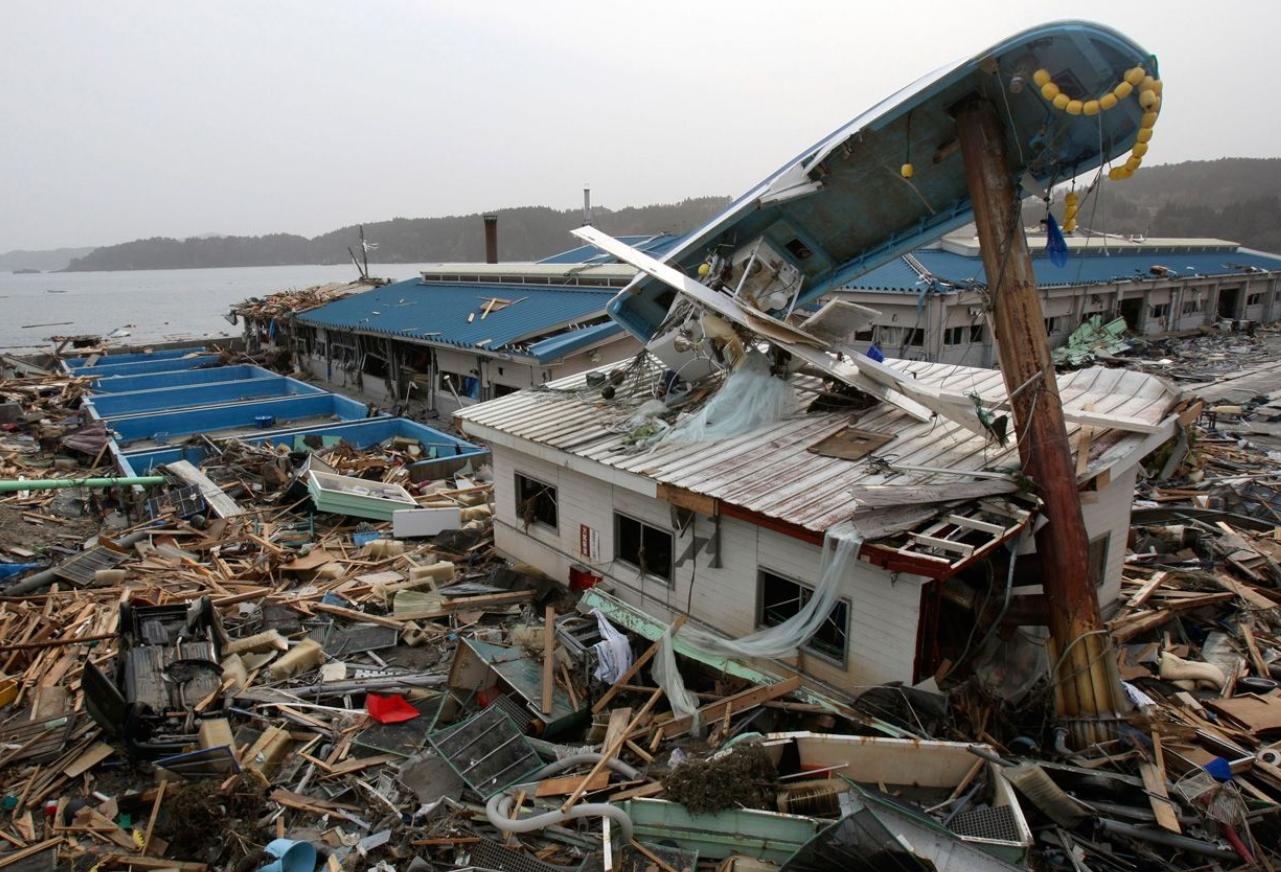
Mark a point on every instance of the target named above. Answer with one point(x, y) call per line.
point(654, 244)
point(439, 312)
point(772, 472)
point(571, 341)
point(897, 275)
point(1096, 267)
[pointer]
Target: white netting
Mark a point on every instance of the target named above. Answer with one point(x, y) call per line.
point(840, 548)
point(748, 399)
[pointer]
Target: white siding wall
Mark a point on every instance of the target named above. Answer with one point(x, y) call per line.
point(1107, 511)
point(884, 609)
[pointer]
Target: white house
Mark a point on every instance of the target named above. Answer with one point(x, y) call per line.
point(730, 532)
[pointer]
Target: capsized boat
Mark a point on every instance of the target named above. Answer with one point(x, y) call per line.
point(1071, 96)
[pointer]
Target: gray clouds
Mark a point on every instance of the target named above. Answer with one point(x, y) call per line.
point(132, 119)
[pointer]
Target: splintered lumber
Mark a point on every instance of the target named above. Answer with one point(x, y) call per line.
point(652, 857)
point(549, 658)
point(740, 702)
point(360, 617)
point(155, 813)
point(219, 503)
point(466, 603)
point(96, 754)
point(1149, 586)
point(30, 851)
point(633, 669)
point(1256, 657)
point(563, 785)
point(610, 750)
point(1153, 775)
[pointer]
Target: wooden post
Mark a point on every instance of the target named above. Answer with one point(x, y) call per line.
point(1088, 695)
point(549, 658)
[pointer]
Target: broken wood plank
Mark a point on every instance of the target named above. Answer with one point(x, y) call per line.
point(219, 503)
point(634, 668)
point(549, 658)
point(564, 785)
point(610, 751)
point(1153, 775)
point(29, 851)
point(96, 754)
point(747, 699)
point(1148, 588)
point(359, 617)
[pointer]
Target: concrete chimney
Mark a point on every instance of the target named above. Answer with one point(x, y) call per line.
point(491, 239)
point(587, 206)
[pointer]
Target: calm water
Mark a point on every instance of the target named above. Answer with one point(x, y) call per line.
point(153, 305)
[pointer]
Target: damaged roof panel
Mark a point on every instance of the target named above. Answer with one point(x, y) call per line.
point(463, 314)
point(771, 470)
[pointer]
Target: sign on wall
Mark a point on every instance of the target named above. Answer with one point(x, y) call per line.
point(588, 542)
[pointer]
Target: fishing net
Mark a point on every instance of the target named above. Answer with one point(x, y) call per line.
point(749, 398)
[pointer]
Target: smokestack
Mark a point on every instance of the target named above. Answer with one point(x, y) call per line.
point(587, 206)
point(491, 239)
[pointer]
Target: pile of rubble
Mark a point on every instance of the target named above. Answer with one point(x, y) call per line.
point(286, 303)
point(246, 666)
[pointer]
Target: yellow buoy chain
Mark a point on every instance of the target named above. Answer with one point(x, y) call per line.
point(1071, 203)
point(1137, 82)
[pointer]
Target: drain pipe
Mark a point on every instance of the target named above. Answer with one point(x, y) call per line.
point(10, 486)
point(499, 807)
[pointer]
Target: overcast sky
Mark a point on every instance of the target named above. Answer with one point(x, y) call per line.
point(121, 120)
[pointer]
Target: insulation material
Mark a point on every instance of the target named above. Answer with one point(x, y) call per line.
point(749, 399)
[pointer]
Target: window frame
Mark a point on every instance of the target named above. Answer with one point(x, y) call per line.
point(808, 648)
point(517, 475)
point(670, 579)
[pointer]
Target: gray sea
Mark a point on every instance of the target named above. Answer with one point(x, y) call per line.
point(149, 305)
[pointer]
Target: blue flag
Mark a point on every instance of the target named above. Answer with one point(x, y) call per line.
point(1055, 244)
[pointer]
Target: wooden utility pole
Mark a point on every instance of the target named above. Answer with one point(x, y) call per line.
point(1087, 692)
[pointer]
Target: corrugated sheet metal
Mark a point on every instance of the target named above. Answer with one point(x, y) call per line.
point(571, 341)
point(772, 472)
point(439, 312)
point(897, 275)
point(1097, 268)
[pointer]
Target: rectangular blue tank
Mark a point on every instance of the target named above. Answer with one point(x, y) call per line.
point(190, 396)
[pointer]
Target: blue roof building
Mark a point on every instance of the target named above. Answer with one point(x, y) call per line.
point(933, 302)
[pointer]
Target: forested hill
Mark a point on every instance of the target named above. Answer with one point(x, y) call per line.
point(525, 233)
point(1238, 199)
point(1233, 198)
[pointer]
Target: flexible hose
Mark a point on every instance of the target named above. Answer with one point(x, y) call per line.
point(499, 807)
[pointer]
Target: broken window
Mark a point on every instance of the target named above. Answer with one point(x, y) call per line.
point(961, 335)
point(780, 598)
point(1192, 307)
point(1159, 311)
point(1254, 300)
point(1053, 325)
point(535, 502)
point(1099, 558)
point(647, 548)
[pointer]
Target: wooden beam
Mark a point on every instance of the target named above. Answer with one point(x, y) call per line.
point(608, 753)
point(549, 658)
point(1086, 695)
point(1153, 775)
point(740, 702)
